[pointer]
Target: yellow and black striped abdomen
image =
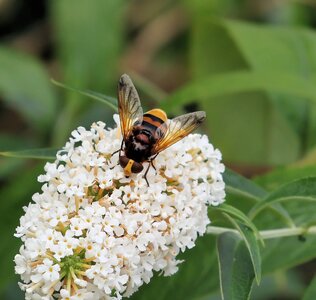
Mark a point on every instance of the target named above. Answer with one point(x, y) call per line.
point(153, 119)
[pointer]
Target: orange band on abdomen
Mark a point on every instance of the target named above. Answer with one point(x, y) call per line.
point(149, 120)
point(159, 113)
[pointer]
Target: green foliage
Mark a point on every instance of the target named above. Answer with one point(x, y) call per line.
point(250, 239)
point(197, 276)
point(256, 84)
point(108, 100)
point(46, 154)
point(280, 176)
point(311, 291)
point(300, 190)
point(235, 266)
point(269, 80)
point(240, 188)
point(89, 36)
point(25, 86)
point(233, 213)
point(14, 196)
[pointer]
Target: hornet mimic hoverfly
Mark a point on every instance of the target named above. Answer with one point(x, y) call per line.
point(146, 135)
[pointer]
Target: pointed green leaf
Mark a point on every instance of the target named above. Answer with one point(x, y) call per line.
point(43, 153)
point(287, 49)
point(238, 82)
point(299, 190)
point(235, 266)
point(237, 185)
point(280, 176)
point(276, 254)
point(270, 101)
point(107, 100)
point(25, 86)
point(251, 241)
point(89, 37)
point(234, 212)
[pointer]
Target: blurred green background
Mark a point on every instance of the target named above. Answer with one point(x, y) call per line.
point(250, 64)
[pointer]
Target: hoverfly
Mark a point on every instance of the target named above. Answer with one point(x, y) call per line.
point(146, 135)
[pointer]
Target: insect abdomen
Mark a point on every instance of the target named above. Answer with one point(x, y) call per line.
point(155, 118)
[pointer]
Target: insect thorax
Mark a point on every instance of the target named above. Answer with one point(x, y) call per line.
point(138, 146)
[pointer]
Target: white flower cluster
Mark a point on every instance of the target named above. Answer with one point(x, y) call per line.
point(92, 233)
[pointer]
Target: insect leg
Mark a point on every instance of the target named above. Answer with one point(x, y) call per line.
point(145, 175)
point(111, 168)
point(118, 149)
point(151, 161)
point(115, 152)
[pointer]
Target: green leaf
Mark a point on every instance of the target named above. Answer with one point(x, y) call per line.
point(12, 142)
point(239, 185)
point(25, 86)
point(14, 196)
point(250, 238)
point(235, 266)
point(238, 82)
point(268, 105)
point(89, 41)
point(107, 100)
point(15, 142)
point(43, 153)
point(237, 214)
point(9, 166)
point(299, 190)
point(279, 176)
point(276, 255)
point(248, 111)
point(282, 284)
point(89, 36)
point(12, 292)
point(286, 253)
point(286, 49)
point(195, 279)
point(311, 291)
point(240, 188)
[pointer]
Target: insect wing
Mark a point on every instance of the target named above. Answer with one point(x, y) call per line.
point(129, 105)
point(178, 128)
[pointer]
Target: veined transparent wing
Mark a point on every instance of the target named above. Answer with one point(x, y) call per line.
point(178, 128)
point(129, 105)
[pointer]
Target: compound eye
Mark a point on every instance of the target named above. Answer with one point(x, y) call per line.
point(123, 161)
point(137, 167)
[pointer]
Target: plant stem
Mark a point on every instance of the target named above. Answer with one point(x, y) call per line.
point(268, 234)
